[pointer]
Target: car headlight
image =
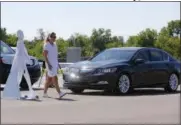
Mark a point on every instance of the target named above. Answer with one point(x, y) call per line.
point(105, 70)
point(85, 69)
point(66, 70)
point(33, 61)
point(71, 70)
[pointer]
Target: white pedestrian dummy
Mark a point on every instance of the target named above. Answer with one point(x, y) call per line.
point(18, 69)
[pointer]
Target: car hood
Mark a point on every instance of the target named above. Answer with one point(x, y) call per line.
point(98, 64)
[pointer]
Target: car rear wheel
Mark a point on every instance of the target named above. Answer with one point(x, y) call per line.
point(173, 83)
point(77, 91)
point(124, 84)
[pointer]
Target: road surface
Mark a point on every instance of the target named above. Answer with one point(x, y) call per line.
point(151, 106)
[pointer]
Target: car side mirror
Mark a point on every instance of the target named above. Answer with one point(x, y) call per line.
point(139, 61)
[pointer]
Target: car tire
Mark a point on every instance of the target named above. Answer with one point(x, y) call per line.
point(124, 84)
point(77, 91)
point(172, 83)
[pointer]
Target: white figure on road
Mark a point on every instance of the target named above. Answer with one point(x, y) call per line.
point(18, 69)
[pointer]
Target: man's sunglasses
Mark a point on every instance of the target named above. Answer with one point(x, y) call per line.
point(53, 37)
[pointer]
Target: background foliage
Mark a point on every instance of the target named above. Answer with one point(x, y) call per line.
point(167, 39)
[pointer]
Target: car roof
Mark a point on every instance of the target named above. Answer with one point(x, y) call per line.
point(127, 48)
point(133, 48)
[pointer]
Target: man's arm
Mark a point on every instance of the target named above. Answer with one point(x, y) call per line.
point(45, 54)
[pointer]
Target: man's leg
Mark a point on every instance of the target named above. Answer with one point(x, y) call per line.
point(47, 82)
point(55, 81)
point(50, 82)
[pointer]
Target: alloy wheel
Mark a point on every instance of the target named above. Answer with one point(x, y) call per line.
point(173, 82)
point(124, 84)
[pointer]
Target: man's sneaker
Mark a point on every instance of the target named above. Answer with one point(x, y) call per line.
point(45, 95)
point(62, 94)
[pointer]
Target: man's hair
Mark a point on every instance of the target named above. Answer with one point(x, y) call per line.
point(53, 34)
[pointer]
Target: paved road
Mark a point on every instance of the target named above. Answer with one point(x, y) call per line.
point(143, 106)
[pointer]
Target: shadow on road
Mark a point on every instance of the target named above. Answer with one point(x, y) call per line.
point(144, 92)
point(65, 99)
point(62, 99)
point(34, 100)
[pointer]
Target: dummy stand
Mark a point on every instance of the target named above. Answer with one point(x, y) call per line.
point(18, 70)
point(25, 97)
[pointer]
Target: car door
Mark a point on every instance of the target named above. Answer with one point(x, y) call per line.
point(6, 56)
point(141, 75)
point(159, 67)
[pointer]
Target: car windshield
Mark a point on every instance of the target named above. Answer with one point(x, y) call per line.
point(114, 55)
point(5, 49)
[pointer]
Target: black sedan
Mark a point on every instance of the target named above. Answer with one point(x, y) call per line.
point(6, 58)
point(123, 69)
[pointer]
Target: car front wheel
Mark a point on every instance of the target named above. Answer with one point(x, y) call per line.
point(77, 91)
point(124, 84)
point(173, 83)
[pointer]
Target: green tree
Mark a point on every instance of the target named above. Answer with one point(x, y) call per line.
point(169, 38)
point(41, 35)
point(145, 38)
point(85, 43)
point(115, 41)
point(62, 47)
point(133, 41)
point(174, 28)
point(3, 34)
point(99, 38)
point(114, 44)
point(11, 39)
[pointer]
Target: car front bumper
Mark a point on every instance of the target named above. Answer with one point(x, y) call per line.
point(97, 82)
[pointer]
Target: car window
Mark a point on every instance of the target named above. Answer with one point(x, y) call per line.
point(171, 58)
point(143, 54)
point(165, 57)
point(168, 57)
point(5, 49)
point(156, 55)
point(113, 55)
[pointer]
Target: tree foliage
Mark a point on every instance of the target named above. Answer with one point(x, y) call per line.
point(3, 34)
point(167, 39)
